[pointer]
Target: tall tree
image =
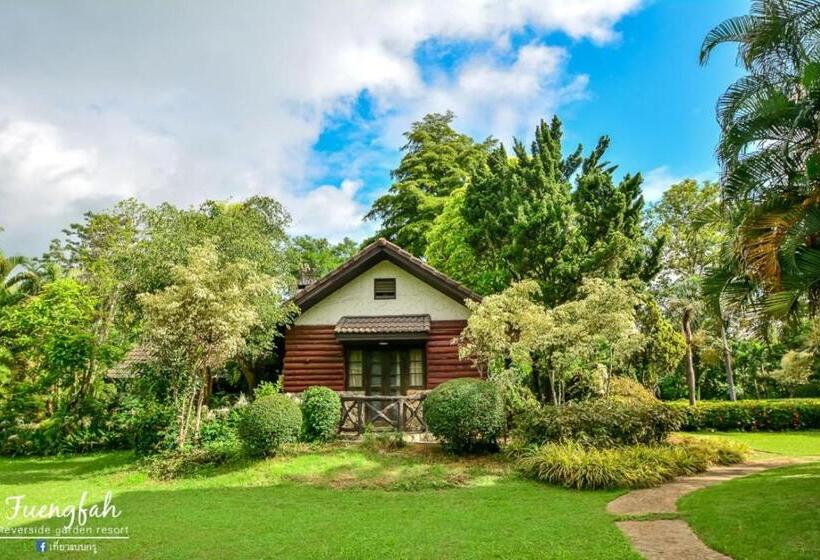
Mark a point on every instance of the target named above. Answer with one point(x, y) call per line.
point(523, 218)
point(436, 161)
point(313, 257)
point(769, 150)
point(200, 322)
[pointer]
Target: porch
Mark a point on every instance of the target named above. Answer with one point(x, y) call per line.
point(401, 413)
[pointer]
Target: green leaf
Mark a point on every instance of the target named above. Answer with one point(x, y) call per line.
point(811, 75)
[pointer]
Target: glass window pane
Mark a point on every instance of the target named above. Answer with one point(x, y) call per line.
point(416, 368)
point(395, 369)
point(354, 369)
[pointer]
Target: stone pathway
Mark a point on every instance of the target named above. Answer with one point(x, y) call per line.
point(672, 539)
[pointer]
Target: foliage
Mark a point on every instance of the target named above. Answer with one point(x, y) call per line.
point(448, 250)
point(321, 413)
point(467, 415)
point(189, 462)
point(773, 415)
point(266, 389)
point(312, 257)
point(525, 221)
point(220, 428)
point(599, 423)
point(796, 367)
point(627, 390)
point(768, 150)
point(152, 428)
point(386, 441)
point(200, 322)
point(52, 396)
point(269, 422)
point(436, 161)
point(574, 465)
point(571, 350)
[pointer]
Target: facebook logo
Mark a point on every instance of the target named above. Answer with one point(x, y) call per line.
point(40, 545)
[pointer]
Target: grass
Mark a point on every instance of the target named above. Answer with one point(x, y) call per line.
point(771, 515)
point(338, 502)
point(796, 444)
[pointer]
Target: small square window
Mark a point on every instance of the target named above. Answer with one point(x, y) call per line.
point(384, 288)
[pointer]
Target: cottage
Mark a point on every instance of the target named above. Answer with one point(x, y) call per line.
point(380, 324)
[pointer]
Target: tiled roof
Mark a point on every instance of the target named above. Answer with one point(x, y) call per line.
point(134, 357)
point(384, 324)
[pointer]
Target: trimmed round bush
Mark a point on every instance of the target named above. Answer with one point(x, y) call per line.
point(321, 413)
point(466, 415)
point(269, 422)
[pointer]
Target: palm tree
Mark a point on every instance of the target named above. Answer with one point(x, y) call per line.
point(769, 147)
point(15, 279)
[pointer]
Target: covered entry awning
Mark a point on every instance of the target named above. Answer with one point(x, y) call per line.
point(383, 327)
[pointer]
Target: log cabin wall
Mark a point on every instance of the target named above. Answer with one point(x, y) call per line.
point(313, 356)
point(442, 356)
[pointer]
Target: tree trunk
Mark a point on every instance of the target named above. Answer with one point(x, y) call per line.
point(248, 373)
point(690, 365)
point(184, 420)
point(727, 361)
point(554, 395)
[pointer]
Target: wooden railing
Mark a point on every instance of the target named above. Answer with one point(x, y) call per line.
point(403, 413)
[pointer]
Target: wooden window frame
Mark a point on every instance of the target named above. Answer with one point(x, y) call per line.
point(404, 358)
point(383, 294)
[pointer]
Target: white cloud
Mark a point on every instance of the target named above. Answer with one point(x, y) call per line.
point(656, 181)
point(183, 101)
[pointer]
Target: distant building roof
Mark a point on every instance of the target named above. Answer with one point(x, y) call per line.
point(125, 368)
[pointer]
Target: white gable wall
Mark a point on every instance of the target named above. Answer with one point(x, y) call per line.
point(413, 297)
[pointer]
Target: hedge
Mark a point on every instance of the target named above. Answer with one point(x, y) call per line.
point(750, 415)
point(601, 423)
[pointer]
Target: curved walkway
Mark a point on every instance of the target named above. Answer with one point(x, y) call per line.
point(661, 537)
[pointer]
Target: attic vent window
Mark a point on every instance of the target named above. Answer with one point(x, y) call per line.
point(384, 288)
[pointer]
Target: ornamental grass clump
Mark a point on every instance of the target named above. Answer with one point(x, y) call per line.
point(268, 423)
point(321, 414)
point(574, 465)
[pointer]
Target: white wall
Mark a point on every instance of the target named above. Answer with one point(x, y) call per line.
point(413, 297)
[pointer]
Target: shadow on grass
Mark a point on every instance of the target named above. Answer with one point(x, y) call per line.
point(31, 470)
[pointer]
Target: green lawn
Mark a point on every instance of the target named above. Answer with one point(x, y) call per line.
point(341, 503)
point(771, 515)
point(784, 443)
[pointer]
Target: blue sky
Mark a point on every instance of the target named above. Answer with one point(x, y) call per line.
point(307, 102)
point(646, 91)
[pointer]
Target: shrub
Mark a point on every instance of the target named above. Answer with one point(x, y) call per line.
point(465, 415)
point(321, 414)
point(602, 423)
point(268, 422)
point(195, 461)
point(152, 429)
point(574, 465)
point(628, 390)
point(382, 441)
point(220, 428)
point(751, 415)
point(266, 389)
